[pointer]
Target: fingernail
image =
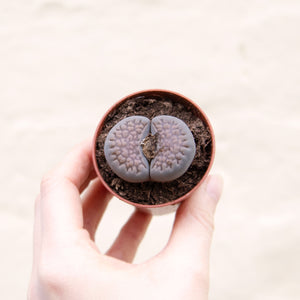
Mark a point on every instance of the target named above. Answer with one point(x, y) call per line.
point(214, 186)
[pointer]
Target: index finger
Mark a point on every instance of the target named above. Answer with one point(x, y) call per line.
point(77, 165)
point(61, 209)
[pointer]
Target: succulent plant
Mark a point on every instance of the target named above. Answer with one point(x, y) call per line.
point(123, 150)
point(138, 149)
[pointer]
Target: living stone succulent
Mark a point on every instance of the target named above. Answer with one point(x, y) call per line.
point(138, 149)
point(123, 150)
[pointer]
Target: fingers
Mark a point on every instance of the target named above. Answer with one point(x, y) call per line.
point(91, 177)
point(77, 167)
point(130, 237)
point(94, 204)
point(193, 227)
point(60, 207)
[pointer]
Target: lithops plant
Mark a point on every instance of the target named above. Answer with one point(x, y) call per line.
point(138, 149)
point(123, 150)
point(175, 148)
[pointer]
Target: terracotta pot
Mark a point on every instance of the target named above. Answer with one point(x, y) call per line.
point(171, 205)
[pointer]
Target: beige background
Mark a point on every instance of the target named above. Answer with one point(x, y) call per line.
point(63, 63)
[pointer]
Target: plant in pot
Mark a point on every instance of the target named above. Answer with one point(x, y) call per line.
point(153, 148)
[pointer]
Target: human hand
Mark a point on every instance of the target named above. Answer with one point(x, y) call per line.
point(68, 265)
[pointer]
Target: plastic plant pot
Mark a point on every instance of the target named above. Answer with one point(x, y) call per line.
point(172, 148)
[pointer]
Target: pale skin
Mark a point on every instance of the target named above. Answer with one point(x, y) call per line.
point(67, 263)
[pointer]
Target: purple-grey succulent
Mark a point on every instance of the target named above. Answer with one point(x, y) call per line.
point(169, 151)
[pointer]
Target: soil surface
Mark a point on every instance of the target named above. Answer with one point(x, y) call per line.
point(151, 105)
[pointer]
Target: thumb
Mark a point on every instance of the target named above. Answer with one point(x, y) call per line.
point(191, 236)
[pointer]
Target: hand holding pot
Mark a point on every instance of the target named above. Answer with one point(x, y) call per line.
point(68, 265)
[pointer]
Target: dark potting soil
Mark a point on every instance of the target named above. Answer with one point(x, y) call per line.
point(151, 105)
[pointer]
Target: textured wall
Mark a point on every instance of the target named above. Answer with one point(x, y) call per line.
point(63, 63)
